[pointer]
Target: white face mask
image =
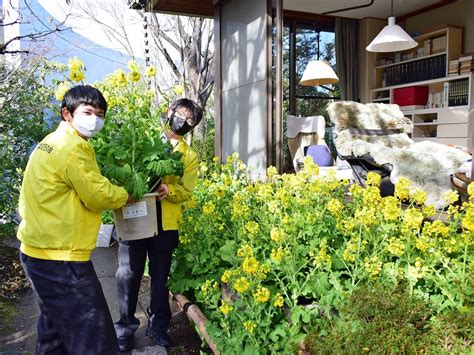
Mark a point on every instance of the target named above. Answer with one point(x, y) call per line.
point(87, 125)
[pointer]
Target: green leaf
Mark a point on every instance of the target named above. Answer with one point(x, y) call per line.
point(228, 251)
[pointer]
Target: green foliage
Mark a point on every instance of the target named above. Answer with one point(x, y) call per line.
point(382, 320)
point(205, 149)
point(129, 149)
point(24, 99)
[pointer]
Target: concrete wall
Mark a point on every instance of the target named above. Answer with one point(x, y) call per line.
point(244, 81)
point(460, 13)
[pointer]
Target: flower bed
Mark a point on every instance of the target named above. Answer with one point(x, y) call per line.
point(299, 239)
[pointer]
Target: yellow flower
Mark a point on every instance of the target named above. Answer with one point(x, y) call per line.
point(250, 265)
point(470, 189)
point(451, 196)
point(271, 172)
point(277, 255)
point(178, 90)
point(373, 266)
point(245, 251)
point(208, 208)
point(225, 308)
point(227, 275)
point(208, 285)
point(321, 258)
point(75, 64)
point(118, 78)
point(402, 189)
point(419, 197)
point(184, 239)
point(150, 71)
point(395, 246)
point(252, 227)
point(428, 210)
point(133, 66)
point(335, 207)
point(366, 215)
point(249, 326)
point(134, 76)
point(76, 75)
point(278, 300)
point(262, 295)
point(61, 91)
point(76, 69)
point(371, 196)
point(220, 192)
point(434, 229)
point(373, 179)
point(468, 220)
point(241, 284)
point(277, 235)
point(411, 220)
point(390, 208)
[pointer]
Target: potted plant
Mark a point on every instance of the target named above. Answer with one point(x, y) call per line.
point(132, 151)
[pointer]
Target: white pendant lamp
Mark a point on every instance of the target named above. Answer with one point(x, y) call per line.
point(392, 38)
point(318, 72)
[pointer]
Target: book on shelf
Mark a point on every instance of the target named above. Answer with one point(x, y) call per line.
point(419, 70)
point(458, 92)
point(466, 56)
point(453, 68)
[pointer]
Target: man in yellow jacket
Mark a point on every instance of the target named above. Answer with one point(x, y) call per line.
point(183, 116)
point(61, 200)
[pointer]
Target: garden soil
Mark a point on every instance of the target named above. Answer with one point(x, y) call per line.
point(19, 311)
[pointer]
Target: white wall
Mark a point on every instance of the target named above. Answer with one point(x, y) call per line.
point(459, 13)
point(244, 81)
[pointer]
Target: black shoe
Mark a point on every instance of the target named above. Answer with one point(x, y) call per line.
point(160, 338)
point(125, 343)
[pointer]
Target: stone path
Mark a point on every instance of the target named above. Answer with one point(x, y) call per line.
point(22, 340)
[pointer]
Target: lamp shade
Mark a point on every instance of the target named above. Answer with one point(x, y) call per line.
point(318, 72)
point(392, 38)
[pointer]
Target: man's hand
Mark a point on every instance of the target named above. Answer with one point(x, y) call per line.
point(163, 191)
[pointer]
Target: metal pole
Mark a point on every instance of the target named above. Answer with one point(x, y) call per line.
point(279, 86)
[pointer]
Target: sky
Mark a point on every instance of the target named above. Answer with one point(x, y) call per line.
point(60, 46)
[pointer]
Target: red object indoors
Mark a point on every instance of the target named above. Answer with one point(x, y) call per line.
point(412, 95)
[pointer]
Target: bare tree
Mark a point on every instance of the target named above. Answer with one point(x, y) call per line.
point(20, 17)
point(181, 46)
point(193, 68)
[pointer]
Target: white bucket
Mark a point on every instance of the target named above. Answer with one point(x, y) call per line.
point(137, 220)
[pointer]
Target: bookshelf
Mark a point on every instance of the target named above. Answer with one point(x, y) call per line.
point(448, 117)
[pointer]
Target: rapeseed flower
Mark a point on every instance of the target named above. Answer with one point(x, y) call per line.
point(225, 308)
point(277, 235)
point(61, 91)
point(241, 284)
point(250, 265)
point(278, 301)
point(150, 71)
point(245, 251)
point(261, 295)
point(250, 326)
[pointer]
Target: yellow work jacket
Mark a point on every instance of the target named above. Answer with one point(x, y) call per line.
point(180, 188)
point(62, 197)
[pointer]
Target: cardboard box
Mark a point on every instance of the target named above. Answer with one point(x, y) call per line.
point(412, 95)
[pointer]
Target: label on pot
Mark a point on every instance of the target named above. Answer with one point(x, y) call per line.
point(134, 210)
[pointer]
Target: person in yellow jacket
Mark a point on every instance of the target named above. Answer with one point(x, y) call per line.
point(183, 116)
point(61, 199)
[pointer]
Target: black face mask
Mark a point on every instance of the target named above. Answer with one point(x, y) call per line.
point(178, 124)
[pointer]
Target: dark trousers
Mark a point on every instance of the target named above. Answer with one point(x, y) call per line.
point(74, 316)
point(132, 259)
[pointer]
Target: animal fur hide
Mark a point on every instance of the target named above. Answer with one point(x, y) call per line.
point(426, 164)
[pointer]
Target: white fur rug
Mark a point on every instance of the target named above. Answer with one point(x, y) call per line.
point(426, 164)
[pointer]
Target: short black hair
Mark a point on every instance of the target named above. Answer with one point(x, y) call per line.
point(83, 94)
point(180, 124)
